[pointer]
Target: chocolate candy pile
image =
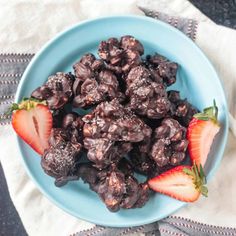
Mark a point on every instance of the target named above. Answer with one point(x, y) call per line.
point(133, 124)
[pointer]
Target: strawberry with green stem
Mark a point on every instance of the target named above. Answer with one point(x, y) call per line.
point(183, 183)
point(201, 132)
point(32, 121)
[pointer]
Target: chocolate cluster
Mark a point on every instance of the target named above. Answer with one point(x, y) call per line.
point(117, 188)
point(61, 159)
point(94, 83)
point(57, 91)
point(109, 132)
point(147, 97)
point(133, 122)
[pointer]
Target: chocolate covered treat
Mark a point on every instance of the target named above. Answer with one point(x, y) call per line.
point(147, 98)
point(181, 109)
point(57, 91)
point(109, 131)
point(115, 188)
point(103, 86)
point(61, 159)
point(121, 55)
point(170, 143)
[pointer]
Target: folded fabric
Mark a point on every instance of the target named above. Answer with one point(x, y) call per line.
point(26, 34)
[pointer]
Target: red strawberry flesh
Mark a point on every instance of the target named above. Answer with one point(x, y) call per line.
point(184, 183)
point(200, 134)
point(176, 184)
point(33, 126)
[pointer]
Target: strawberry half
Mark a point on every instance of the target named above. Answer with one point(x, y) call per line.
point(200, 134)
point(183, 183)
point(32, 121)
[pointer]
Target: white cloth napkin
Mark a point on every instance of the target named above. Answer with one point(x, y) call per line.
point(27, 25)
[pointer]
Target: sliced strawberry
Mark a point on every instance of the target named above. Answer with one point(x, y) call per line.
point(183, 183)
point(200, 134)
point(32, 121)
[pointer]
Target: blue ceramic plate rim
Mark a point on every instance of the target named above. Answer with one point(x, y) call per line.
point(18, 97)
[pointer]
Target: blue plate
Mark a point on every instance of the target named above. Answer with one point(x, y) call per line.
point(196, 79)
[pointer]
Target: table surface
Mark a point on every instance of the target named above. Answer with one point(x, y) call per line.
point(221, 11)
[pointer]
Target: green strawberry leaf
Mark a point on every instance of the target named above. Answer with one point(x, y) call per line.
point(204, 191)
point(25, 104)
point(202, 175)
point(199, 178)
point(209, 113)
point(12, 108)
point(188, 171)
point(201, 116)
